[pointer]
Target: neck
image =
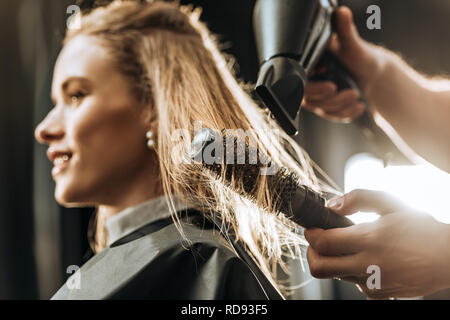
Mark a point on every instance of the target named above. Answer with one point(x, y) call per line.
point(146, 185)
point(107, 211)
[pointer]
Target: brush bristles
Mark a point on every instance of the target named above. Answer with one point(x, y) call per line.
point(244, 176)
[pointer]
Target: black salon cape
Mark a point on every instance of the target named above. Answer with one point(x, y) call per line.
point(152, 263)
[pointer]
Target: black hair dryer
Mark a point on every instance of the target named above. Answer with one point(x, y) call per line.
point(292, 37)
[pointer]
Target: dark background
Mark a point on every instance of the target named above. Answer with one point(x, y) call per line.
point(39, 239)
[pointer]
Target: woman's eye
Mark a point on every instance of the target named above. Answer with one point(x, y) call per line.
point(76, 97)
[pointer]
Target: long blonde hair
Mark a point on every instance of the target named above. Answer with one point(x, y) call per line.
point(174, 64)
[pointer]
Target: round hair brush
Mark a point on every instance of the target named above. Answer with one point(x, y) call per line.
point(244, 164)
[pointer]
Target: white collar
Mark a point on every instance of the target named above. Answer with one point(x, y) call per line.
point(135, 217)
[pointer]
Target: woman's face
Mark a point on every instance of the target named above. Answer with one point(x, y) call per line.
point(96, 130)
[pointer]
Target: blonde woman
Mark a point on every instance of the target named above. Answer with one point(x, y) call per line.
point(127, 80)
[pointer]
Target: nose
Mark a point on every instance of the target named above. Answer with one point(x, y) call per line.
point(51, 128)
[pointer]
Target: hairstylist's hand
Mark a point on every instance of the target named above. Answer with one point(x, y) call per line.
point(411, 249)
point(361, 58)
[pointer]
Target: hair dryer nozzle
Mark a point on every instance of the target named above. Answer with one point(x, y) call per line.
point(280, 85)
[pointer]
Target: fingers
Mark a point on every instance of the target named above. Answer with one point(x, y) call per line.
point(353, 279)
point(319, 89)
point(322, 99)
point(338, 241)
point(366, 200)
point(375, 294)
point(332, 103)
point(333, 266)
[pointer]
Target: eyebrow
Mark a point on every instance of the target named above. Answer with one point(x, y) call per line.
point(67, 82)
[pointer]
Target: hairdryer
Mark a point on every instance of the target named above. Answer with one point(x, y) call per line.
point(292, 37)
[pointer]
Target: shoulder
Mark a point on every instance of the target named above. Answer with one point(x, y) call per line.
point(161, 265)
point(205, 268)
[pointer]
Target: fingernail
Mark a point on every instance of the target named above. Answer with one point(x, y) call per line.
point(335, 203)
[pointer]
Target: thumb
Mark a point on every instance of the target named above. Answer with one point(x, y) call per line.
point(367, 201)
point(347, 34)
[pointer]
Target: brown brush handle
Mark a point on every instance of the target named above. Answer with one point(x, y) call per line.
point(308, 210)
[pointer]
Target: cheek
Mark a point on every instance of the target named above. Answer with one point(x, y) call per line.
point(115, 132)
point(108, 145)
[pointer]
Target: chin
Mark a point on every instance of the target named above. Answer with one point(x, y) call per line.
point(68, 198)
point(63, 200)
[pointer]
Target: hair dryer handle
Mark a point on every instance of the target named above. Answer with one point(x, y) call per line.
point(329, 68)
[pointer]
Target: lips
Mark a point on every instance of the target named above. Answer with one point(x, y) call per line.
point(60, 158)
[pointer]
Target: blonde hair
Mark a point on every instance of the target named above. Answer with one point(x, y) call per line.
point(174, 65)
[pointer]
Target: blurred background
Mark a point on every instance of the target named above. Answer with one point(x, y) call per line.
point(39, 239)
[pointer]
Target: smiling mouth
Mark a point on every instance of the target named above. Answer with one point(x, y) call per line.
point(60, 163)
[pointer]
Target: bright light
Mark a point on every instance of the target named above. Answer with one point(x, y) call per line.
point(423, 187)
